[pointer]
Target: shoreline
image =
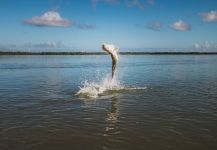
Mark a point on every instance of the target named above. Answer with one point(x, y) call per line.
point(102, 53)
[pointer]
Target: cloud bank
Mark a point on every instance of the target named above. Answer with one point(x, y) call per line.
point(130, 3)
point(52, 45)
point(205, 45)
point(151, 2)
point(84, 26)
point(209, 16)
point(50, 18)
point(136, 3)
point(48, 44)
point(156, 26)
point(180, 26)
point(95, 2)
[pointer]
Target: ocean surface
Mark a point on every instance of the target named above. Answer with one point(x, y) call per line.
point(155, 102)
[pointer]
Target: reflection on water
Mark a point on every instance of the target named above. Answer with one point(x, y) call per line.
point(112, 117)
point(167, 102)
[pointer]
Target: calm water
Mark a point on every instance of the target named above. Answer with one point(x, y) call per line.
point(39, 108)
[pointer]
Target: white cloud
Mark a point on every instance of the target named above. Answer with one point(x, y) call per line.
point(137, 3)
point(130, 3)
point(181, 26)
point(156, 25)
point(151, 2)
point(47, 44)
point(84, 26)
point(205, 45)
point(197, 46)
point(41, 46)
point(95, 2)
point(50, 18)
point(209, 16)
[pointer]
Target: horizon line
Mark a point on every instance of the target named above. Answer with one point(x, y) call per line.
point(103, 53)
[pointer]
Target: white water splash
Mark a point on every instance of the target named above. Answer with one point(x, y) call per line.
point(108, 85)
point(93, 90)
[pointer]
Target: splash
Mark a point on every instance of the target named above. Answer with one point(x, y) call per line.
point(105, 87)
point(92, 89)
point(108, 85)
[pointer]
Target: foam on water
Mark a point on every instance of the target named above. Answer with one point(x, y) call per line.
point(108, 84)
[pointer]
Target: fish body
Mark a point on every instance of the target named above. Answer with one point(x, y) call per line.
point(113, 51)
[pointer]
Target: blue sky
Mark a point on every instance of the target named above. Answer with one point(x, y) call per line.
point(129, 24)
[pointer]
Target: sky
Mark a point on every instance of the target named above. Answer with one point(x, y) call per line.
point(129, 24)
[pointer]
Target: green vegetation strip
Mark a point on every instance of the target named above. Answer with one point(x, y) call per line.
point(101, 53)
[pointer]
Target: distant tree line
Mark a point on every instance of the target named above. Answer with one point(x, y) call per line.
point(102, 53)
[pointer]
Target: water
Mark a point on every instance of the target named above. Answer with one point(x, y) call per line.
point(160, 102)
